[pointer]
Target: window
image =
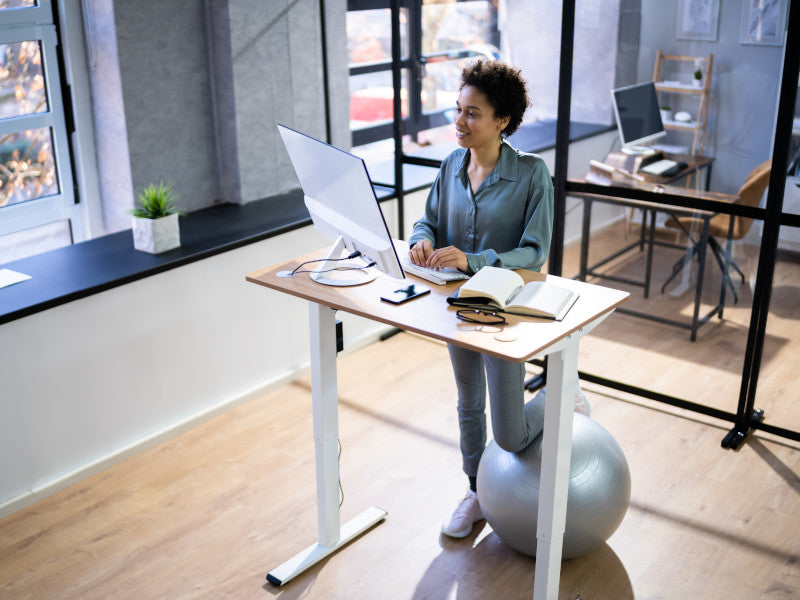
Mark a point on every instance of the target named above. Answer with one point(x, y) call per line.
point(36, 187)
point(437, 37)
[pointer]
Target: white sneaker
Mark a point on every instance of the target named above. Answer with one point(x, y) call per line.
point(582, 405)
point(467, 513)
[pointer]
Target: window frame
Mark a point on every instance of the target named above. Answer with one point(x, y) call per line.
point(41, 13)
point(413, 67)
point(38, 24)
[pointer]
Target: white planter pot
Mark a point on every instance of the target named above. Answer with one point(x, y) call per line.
point(666, 115)
point(156, 235)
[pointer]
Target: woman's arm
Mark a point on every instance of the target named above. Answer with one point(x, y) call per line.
point(423, 237)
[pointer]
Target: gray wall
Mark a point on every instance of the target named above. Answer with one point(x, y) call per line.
point(278, 74)
point(744, 88)
point(606, 48)
point(203, 87)
point(167, 96)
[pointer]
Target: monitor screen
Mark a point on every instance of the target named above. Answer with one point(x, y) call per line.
point(343, 206)
point(637, 114)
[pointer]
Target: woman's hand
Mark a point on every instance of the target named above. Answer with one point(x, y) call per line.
point(423, 255)
point(450, 257)
point(420, 252)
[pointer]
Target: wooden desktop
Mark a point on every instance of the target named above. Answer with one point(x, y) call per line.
point(520, 340)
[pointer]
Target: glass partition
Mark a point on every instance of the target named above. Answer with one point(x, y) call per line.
point(780, 362)
point(683, 237)
point(678, 224)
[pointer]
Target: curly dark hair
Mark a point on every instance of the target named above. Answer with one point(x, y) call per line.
point(503, 86)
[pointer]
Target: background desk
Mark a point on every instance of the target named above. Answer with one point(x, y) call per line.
point(431, 316)
point(651, 208)
point(694, 165)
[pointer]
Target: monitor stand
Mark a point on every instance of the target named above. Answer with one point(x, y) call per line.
point(354, 276)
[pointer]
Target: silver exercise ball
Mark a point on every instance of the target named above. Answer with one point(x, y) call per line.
point(599, 490)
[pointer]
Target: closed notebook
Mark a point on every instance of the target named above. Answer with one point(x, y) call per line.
point(504, 290)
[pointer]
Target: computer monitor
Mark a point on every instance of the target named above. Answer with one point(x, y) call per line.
point(638, 117)
point(343, 206)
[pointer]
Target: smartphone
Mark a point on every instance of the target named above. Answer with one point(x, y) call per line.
point(407, 293)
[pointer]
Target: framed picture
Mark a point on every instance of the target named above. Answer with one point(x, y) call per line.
point(697, 20)
point(763, 22)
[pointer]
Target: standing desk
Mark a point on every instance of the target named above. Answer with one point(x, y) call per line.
point(651, 208)
point(431, 316)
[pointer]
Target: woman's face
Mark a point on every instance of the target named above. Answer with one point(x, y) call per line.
point(475, 121)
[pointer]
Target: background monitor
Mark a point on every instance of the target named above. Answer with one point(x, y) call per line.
point(343, 206)
point(638, 118)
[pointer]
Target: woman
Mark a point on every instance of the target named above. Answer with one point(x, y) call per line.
point(490, 205)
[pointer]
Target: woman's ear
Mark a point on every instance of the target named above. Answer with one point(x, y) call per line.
point(502, 123)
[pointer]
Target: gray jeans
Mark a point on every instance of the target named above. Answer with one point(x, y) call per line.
point(514, 424)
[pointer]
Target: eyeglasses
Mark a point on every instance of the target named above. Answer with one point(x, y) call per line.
point(480, 317)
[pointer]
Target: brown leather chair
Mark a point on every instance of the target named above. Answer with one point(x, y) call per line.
point(731, 227)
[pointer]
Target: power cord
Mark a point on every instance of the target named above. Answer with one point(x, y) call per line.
point(341, 489)
point(355, 254)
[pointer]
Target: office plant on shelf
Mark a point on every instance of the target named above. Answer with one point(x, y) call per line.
point(698, 73)
point(155, 219)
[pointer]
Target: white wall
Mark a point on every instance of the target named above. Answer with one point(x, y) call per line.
point(85, 384)
point(744, 89)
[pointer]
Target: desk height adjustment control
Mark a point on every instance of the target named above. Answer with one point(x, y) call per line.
point(339, 336)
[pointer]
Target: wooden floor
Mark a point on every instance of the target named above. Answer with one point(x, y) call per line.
point(207, 514)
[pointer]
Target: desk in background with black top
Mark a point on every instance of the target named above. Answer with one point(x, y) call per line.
point(647, 239)
point(689, 165)
point(631, 164)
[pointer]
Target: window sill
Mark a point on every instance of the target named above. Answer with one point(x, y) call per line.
point(80, 270)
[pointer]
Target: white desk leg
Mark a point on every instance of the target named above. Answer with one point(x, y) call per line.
point(556, 451)
point(324, 400)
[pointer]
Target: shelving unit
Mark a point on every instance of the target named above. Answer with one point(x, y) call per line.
point(672, 89)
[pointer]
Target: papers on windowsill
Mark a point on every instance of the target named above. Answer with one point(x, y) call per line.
point(9, 277)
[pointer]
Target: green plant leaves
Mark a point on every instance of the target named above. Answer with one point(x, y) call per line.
point(156, 201)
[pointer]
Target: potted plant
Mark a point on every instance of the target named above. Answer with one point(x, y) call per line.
point(155, 219)
point(698, 74)
point(666, 113)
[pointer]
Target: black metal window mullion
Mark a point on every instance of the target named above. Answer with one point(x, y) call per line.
point(416, 68)
point(555, 260)
point(66, 100)
point(397, 121)
point(747, 416)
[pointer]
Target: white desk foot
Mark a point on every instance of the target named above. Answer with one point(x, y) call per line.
point(316, 552)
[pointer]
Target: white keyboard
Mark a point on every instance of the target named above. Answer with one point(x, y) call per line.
point(659, 167)
point(437, 276)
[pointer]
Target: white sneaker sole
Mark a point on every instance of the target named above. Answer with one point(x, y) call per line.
point(461, 533)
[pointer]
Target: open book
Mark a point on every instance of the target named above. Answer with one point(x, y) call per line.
point(506, 291)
